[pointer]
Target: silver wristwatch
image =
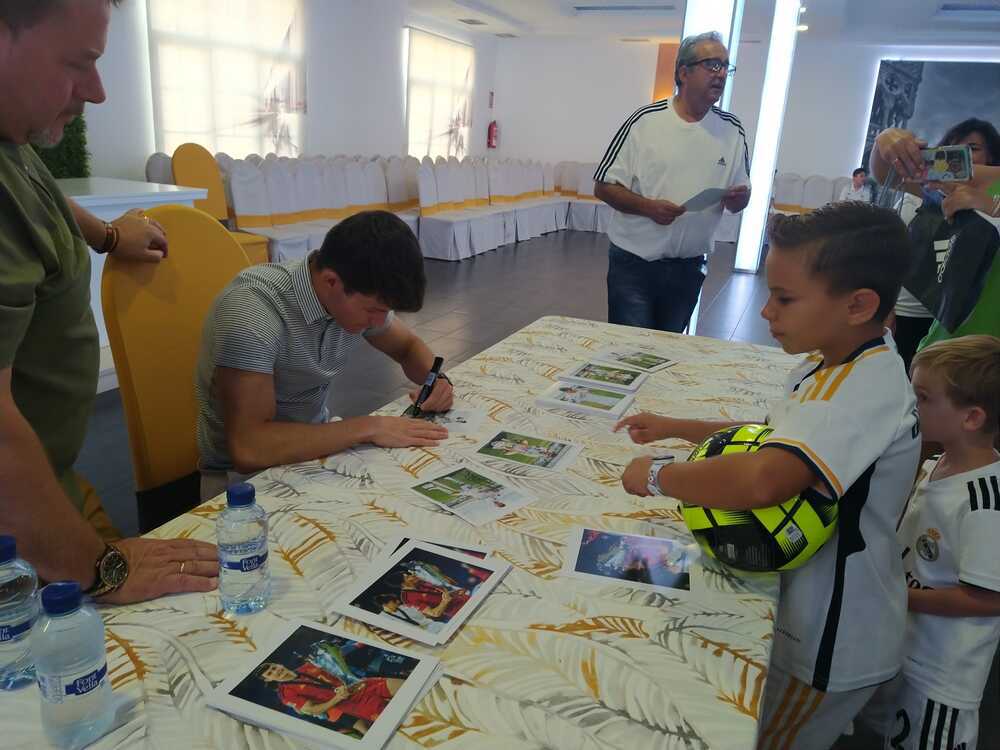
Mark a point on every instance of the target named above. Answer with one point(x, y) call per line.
point(652, 481)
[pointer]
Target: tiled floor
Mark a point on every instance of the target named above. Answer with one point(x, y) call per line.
point(470, 306)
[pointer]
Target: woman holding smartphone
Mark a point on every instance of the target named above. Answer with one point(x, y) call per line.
point(900, 149)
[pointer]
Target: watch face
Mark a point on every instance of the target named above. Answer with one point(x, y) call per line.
point(114, 568)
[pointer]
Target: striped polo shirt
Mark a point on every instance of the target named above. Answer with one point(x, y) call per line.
point(269, 320)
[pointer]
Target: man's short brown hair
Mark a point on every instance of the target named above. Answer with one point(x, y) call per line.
point(970, 369)
point(18, 15)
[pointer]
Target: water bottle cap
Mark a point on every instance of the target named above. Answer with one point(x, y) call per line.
point(8, 548)
point(61, 597)
point(240, 495)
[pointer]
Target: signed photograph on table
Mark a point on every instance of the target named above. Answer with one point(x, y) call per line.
point(530, 450)
point(585, 399)
point(645, 359)
point(604, 374)
point(473, 497)
point(655, 563)
point(322, 685)
point(423, 592)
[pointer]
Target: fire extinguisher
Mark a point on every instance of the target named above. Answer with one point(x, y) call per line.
point(492, 134)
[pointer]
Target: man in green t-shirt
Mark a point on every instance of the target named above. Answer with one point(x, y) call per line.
point(48, 339)
point(982, 194)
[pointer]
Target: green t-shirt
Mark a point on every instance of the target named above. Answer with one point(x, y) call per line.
point(985, 317)
point(47, 331)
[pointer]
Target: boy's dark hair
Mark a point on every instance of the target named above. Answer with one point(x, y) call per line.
point(974, 125)
point(18, 15)
point(374, 253)
point(852, 245)
point(859, 170)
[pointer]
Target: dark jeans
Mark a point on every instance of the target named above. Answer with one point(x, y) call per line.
point(658, 294)
point(909, 332)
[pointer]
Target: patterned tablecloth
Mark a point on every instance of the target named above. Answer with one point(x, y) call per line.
point(546, 662)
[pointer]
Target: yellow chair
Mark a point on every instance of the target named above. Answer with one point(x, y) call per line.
point(193, 166)
point(154, 314)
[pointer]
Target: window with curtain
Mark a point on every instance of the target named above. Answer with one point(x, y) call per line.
point(228, 74)
point(438, 95)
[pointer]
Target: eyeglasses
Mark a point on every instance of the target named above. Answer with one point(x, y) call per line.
point(714, 65)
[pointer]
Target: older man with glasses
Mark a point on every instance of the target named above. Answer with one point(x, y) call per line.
point(664, 155)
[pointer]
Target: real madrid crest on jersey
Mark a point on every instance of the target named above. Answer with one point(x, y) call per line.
point(927, 545)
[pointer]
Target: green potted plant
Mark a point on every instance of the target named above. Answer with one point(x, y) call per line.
point(69, 157)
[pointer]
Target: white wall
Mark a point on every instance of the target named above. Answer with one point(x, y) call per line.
point(830, 96)
point(564, 99)
point(355, 77)
point(120, 131)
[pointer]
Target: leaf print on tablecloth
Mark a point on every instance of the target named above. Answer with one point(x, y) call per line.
point(574, 679)
point(626, 627)
point(233, 632)
point(132, 668)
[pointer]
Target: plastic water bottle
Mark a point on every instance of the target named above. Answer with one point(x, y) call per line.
point(244, 575)
point(18, 610)
point(68, 645)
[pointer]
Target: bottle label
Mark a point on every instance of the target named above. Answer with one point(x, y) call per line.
point(13, 632)
point(245, 564)
point(58, 689)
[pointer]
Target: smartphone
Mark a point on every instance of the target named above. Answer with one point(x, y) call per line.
point(948, 163)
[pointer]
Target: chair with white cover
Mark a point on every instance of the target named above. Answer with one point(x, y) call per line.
point(395, 185)
point(583, 208)
point(443, 235)
point(410, 166)
point(816, 191)
point(838, 186)
point(788, 193)
point(560, 206)
point(252, 212)
point(568, 178)
point(159, 169)
point(311, 203)
point(378, 195)
point(485, 221)
point(287, 210)
point(335, 202)
point(255, 159)
point(500, 199)
point(357, 187)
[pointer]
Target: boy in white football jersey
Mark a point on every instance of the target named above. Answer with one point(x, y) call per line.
point(950, 534)
point(846, 428)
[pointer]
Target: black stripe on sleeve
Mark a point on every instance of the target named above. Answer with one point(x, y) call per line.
point(939, 729)
point(984, 493)
point(951, 728)
point(734, 120)
point(996, 492)
point(620, 137)
point(925, 731)
point(973, 505)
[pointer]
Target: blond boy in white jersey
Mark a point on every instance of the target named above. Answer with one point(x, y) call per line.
point(949, 535)
point(847, 428)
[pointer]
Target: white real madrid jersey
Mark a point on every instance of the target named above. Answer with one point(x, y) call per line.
point(951, 535)
point(841, 615)
point(659, 155)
